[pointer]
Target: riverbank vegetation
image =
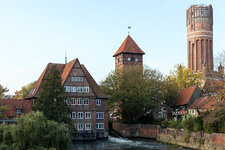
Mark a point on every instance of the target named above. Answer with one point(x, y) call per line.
point(135, 92)
point(34, 132)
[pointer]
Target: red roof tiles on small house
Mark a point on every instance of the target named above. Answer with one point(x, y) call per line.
point(184, 96)
point(129, 46)
point(203, 103)
point(13, 104)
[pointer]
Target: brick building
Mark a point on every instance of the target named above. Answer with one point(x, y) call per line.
point(15, 108)
point(87, 101)
point(200, 37)
point(129, 54)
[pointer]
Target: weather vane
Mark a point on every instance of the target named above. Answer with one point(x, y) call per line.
point(129, 28)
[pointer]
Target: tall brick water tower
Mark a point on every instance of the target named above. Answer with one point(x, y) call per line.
point(200, 37)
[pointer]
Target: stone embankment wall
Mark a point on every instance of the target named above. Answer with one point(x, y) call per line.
point(195, 140)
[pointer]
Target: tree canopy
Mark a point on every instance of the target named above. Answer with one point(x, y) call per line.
point(3, 90)
point(219, 59)
point(134, 91)
point(24, 91)
point(51, 98)
point(34, 132)
point(184, 77)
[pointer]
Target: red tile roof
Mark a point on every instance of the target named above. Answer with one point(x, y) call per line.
point(203, 103)
point(13, 104)
point(184, 96)
point(64, 70)
point(129, 46)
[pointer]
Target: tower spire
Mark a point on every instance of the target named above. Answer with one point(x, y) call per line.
point(65, 58)
point(129, 28)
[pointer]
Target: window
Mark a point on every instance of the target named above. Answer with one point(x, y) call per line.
point(86, 89)
point(80, 126)
point(80, 115)
point(73, 101)
point(129, 59)
point(98, 102)
point(18, 111)
point(136, 59)
point(87, 115)
point(73, 89)
point(79, 89)
point(86, 101)
point(73, 115)
point(79, 101)
point(77, 79)
point(100, 125)
point(87, 126)
point(193, 111)
point(202, 12)
point(67, 88)
point(100, 115)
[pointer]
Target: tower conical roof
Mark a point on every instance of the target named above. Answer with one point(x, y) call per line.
point(129, 46)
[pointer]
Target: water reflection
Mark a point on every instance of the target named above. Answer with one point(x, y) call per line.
point(113, 143)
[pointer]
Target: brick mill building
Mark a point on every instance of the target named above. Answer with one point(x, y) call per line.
point(87, 101)
point(129, 54)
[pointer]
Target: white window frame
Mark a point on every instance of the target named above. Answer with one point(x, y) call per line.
point(18, 111)
point(129, 59)
point(79, 101)
point(86, 89)
point(98, 102)
point(87, 116)
point(99, 115)
point(73, 101)
point(80, 115)
point(86, 124)
point(98, 125)
point(73, 89)
point(86, 100)
point(79, 89)
point(136, 59)
point(67, 88)
point(80, 126)
point(73, 115)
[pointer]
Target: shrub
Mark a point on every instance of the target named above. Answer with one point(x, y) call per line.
point(34, 131)
point(187, 137)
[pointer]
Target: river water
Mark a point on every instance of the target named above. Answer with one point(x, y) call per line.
point(113, 143)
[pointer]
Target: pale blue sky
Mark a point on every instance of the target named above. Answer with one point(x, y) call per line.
point(33, 33)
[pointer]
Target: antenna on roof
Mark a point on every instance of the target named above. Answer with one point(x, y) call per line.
point(65, 58)
point(129, 28)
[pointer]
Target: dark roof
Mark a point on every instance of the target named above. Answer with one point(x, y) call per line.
point(184, 96)
point(13, 104)
point(203, 103)
point(64, 70)
point(129, 46)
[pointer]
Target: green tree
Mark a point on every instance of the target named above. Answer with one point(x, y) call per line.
point(3, 90)
point(34, 131)
point(51, 98)
point(24, 91)
point(134, 91)
point(183, 77)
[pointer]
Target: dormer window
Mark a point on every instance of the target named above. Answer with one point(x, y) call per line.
point(18, 111)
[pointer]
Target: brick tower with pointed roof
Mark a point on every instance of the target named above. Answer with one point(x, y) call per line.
point(129, 54)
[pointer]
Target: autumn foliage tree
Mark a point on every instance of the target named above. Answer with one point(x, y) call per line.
point(184, 77)
point(24, 91)
point(3, 90)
